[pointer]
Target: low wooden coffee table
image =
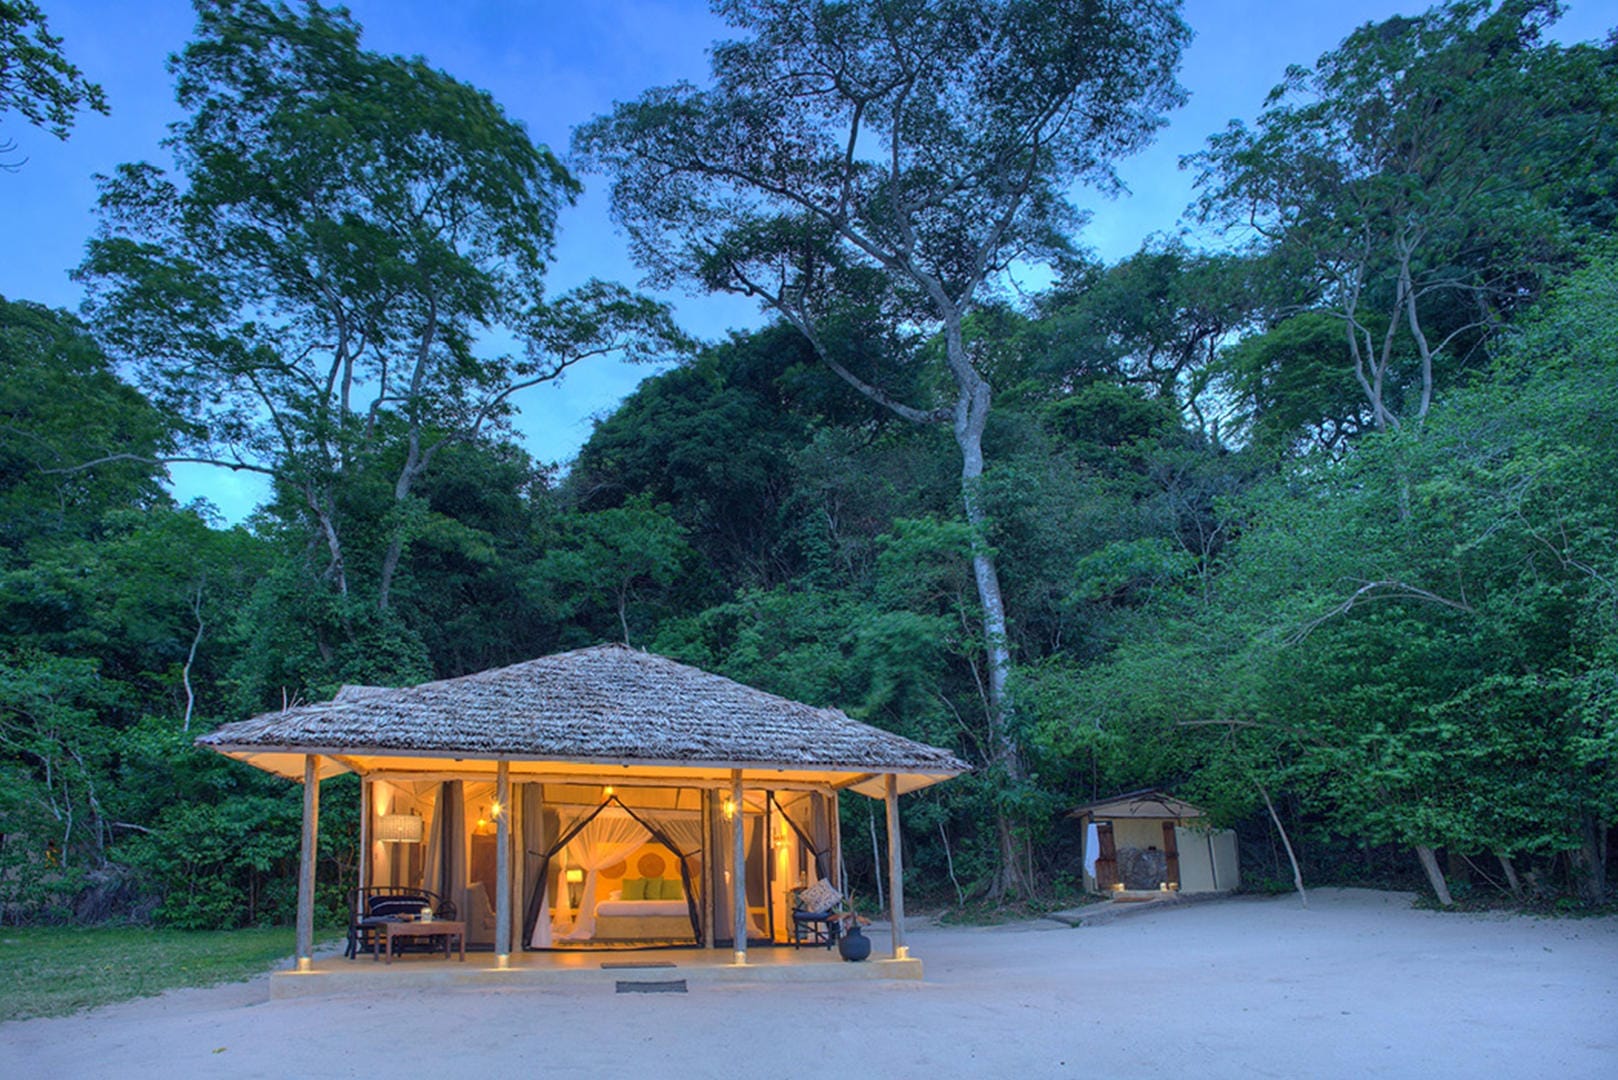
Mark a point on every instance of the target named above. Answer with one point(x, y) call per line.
point(445, 928)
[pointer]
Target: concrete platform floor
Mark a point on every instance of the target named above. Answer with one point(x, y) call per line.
point(334, 975)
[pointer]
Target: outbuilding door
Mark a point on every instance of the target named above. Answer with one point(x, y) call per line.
point(1171, 849)
point(1107, 861)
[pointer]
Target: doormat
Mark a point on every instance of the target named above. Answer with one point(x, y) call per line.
point(672, 986)
point(609, 965)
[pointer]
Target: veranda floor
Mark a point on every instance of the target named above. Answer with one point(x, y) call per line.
point(583, 969)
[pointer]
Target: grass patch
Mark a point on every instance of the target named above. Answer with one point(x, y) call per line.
point(53, 971)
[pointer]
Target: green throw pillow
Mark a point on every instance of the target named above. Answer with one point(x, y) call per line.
point(635, 888)
point(670, 888)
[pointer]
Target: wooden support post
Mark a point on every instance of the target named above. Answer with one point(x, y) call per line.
point(367, 797)
point(306, 863)
point(839, 878)
point(738, 872)
point(710, 869)
point(896, 872)
point(502, 864)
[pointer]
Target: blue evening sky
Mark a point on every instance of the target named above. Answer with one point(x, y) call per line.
point(553, 65)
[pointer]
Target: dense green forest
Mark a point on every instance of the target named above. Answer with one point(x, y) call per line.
point(1307, 514)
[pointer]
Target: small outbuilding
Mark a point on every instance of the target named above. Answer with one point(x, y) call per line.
point(1151, 841)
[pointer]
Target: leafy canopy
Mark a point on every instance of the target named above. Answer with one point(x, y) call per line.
point(37, 81)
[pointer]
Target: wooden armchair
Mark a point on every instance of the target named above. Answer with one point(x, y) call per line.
point(815, 919)
point(371, 908)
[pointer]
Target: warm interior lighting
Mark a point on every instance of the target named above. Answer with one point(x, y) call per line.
point(495, 808)
point(575, 877)
point(399, 829)
point(728, 808)
point(606, 792)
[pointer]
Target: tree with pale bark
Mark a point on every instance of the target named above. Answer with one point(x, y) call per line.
point(1400, 187)
point(872, 173)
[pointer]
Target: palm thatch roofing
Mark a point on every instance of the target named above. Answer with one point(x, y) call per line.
point(603, 706)
point(1149, 803)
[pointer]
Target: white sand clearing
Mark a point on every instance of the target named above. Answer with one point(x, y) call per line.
point(1359, 985)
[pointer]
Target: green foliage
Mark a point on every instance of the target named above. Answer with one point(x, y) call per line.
point(1298, 392)
point(1230, 564)
point(1405, 638)
point(37, 81)
point(603, 561)
point(61, 402)
point(1401, 188)
point(221, 844)
point(336, 341)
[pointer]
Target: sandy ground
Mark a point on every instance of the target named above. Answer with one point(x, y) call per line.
point(1358, 985)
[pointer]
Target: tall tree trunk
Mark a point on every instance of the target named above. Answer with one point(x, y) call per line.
point(971, 416)
point(1510, 871)
point(190, 661)
point(1589, 860)
point(320, 505)
point(416, 459)
point(1435, 875)
point(1286, 841)
point(876, 857)
point(949, 863)
point(968, 417)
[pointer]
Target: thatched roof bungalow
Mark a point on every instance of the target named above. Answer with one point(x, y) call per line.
point(544, 746)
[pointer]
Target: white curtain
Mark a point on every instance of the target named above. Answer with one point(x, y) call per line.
point(445, 864)
point(686, 833)
point(609, 837)
point(543, 932)
point(536, 867)
point(685, 830)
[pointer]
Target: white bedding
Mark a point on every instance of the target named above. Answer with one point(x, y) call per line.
point(642, 907)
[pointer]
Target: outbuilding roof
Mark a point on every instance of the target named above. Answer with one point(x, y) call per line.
point(1145, 803)
point(603, 706)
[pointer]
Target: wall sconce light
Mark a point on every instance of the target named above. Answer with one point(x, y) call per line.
point(400, 829)
point(728, 808)
point(606, 792)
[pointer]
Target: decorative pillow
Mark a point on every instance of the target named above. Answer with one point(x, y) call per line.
point(671, 888)
point(382, 907)
point(635, 888)
point(819, 897)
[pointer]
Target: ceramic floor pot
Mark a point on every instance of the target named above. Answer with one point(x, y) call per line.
point(854, 945)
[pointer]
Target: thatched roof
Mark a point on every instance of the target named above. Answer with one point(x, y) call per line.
point(1148, 803)
point(608, 704)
